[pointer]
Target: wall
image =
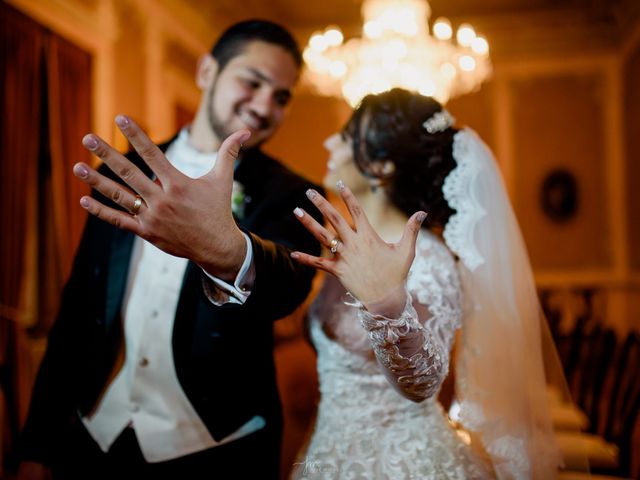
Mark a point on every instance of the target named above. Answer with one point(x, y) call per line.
point(576, 109)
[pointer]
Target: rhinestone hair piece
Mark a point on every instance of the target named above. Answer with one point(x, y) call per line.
point(439, 121)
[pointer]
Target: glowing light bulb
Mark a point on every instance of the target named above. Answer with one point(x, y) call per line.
point(333, 36)
point(373, 29)
point(465, 35)
point(442, 29)
point(480, 45)
point(318, 42)
point(467, 63)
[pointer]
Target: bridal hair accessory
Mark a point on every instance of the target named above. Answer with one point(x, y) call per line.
point(439, 121)
point(136, 205)
point(334, 244)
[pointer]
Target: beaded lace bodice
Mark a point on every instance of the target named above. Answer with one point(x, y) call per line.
point(365, 428)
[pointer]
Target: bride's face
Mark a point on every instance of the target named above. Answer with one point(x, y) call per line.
point(341, 165)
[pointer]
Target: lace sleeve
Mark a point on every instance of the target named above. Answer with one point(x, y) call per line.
point(414, 348)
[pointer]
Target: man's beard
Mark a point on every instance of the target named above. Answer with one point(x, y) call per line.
point(216, 125)
point(219, 127)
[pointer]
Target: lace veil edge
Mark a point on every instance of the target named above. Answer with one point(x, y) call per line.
point(507, 356)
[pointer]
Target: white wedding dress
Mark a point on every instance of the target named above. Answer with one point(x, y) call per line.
point(365, 429)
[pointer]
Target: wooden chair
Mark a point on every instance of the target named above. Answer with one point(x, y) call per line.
point(624, 405)
point(598, 348)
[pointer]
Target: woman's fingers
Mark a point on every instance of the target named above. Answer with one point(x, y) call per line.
point(411, 230)
point(120, 194)
point(331, 214)
point(228, 154)
point(360, 219)
point(321, 263)
point(324, 236)
point(121, 166)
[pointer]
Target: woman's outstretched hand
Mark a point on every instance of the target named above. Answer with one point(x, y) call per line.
point(371, 269)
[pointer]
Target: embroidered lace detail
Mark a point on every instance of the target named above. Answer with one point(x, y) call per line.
point(365, 429)
point(414, 350)
point(425, 367)
point(459, 193)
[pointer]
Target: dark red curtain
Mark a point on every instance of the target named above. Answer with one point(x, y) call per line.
point(45, 92)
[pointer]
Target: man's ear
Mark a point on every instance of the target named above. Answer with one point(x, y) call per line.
point(206, 71)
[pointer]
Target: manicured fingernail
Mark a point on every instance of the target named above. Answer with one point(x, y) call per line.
point(84, 201)
point(298, 212)
point(122, 120)
point(90, 142)
point(340, 185)
point(311, 194)
point(294, 255)
point(81, 171)
point(422, 216)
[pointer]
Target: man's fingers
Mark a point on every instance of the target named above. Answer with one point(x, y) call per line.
point(120, 165)
point(148, 150)
point(120, 194)
point(111, 215)
point(227, 156)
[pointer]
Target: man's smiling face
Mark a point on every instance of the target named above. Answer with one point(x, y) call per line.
point(252, 91)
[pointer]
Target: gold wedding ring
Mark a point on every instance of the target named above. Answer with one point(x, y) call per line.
point(334, 244)
point(136, 205)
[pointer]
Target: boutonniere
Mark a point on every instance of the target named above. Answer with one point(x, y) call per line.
point(238, 200)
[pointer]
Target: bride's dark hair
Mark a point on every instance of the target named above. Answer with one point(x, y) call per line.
point(388, 127)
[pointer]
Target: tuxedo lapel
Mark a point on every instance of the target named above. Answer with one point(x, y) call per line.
point(251, 174)
point(119, 259)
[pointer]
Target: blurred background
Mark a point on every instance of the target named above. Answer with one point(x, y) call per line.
point(557, 99)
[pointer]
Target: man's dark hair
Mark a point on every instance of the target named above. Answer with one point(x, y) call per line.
point(234, 40)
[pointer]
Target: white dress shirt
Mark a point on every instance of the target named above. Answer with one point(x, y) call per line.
point(146, 393)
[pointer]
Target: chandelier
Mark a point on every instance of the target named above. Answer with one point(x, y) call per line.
point(397, 50)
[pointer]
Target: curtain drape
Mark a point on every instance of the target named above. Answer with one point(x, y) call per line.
point(45, 101)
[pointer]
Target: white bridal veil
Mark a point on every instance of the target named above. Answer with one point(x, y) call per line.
point(505, 343)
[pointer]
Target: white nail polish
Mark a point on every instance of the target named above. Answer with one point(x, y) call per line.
point(340, 185)
point(298, 212)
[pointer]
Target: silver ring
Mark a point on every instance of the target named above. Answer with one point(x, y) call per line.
point(136, 205)
point(334, 244)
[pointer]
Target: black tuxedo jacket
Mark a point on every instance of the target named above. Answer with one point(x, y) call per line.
point(223, 354)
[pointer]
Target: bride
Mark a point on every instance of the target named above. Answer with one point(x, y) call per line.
point(432, 247)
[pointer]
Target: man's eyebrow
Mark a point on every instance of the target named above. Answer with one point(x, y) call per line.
point(261, 76)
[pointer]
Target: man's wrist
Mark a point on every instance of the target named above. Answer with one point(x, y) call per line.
point(225, 263)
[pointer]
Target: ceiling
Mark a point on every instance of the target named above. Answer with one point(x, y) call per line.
point(512, 26)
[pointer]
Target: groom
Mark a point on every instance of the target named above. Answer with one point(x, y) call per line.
point(159, 366)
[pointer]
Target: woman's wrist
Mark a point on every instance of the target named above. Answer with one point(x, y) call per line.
point(391, 305)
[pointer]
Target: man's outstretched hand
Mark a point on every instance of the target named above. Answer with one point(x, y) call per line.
point(185, 217)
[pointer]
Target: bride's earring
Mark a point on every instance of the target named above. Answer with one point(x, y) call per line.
point(382, 172)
